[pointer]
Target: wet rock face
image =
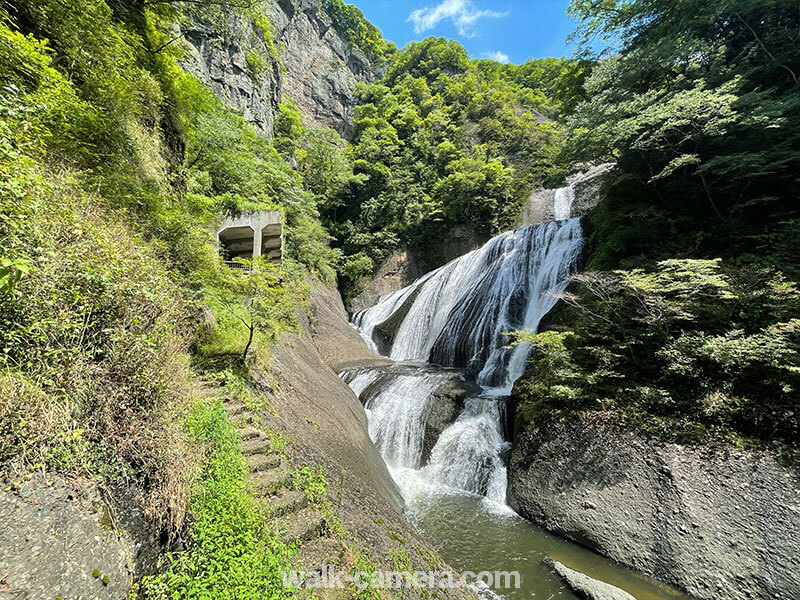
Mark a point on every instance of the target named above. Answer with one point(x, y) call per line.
point(586, 186)
point(719, 523)
point(318, 69)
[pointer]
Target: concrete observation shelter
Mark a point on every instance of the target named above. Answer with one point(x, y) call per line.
point(251, 234)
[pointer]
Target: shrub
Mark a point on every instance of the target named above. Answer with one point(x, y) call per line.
point(688, 342)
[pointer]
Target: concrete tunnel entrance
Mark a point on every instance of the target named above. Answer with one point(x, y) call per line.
point(251, 234)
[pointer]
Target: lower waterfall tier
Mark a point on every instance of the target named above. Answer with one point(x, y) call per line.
point(434, 429)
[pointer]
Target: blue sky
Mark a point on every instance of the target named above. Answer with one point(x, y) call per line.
point(506, 30)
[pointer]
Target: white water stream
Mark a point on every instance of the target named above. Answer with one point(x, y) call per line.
point(458, 316)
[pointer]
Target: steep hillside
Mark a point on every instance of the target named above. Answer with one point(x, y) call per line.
point(140, 378)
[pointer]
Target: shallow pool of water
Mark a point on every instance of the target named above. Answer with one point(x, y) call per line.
point(474, 535)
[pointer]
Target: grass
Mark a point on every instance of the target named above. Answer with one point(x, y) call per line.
point(232, 551)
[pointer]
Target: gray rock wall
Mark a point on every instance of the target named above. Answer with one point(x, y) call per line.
point(321, 67)
point(717, 523)
point(317, 69)
point(539, 206)
point(216, 53)
point(62, 538)
point(396, 272)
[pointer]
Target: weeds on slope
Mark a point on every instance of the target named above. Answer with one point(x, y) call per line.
point(232, 552)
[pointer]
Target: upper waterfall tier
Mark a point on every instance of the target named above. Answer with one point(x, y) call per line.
point(459, 314)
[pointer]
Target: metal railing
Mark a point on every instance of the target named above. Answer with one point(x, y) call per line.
point(232, 264)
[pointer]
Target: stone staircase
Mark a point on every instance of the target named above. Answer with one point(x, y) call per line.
point(289, 511)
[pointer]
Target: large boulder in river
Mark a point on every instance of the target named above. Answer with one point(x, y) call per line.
point(585, 586)
point(716, 522)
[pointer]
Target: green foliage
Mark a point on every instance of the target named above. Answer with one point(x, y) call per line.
point(256, 63)
point(288, 129)
point(251, 305)
point(312, 483)
point(442, 141)
point(113, 166)
point(11, 271)
point(699, 110)
point(700, 350)
point(350, 22)
point(325, 168)
point(231, 551)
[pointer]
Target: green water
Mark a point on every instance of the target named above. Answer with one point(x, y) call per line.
point(471, 538)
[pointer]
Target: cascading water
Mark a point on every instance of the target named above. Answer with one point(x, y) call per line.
point(449, 456)
point(397, 414)
point(468, 454)
point(459, 316)
point(562, 205)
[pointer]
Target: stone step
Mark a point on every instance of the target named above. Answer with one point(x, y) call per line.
point(266, 482)
point(256, 446)
point(317, 554)
point(249, 433)
point(303, 525)
point(235, 409)
point(323, 594)
point(283, 502)
point(243, 419)
point(263, 461)
point(209, 390)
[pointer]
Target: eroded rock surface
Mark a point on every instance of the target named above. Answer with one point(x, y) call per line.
point(309, 62)
point(322, 68)
point(396, 272)
point(60, 538)
point(719, 523)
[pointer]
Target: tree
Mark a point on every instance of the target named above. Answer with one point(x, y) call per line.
point(697, 103)
point(257, 297)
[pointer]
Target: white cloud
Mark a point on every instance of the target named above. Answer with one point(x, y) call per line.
point(461, 13)
point(496, 55)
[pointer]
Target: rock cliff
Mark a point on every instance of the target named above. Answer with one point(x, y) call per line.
point(254, 62)
point(540, 206)
point(718, 523)
point(322, 68)
point(217, 54)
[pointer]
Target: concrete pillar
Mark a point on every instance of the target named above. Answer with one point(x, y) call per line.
point(256, 240)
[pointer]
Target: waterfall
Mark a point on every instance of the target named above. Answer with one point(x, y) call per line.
point(468, 455)
point(458, 316)
point(562, 205)
point(397, 415)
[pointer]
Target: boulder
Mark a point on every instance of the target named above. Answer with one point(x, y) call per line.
point(585, 586)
